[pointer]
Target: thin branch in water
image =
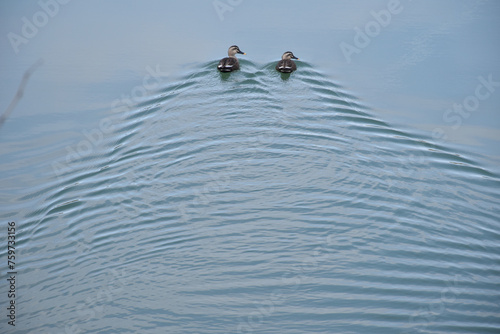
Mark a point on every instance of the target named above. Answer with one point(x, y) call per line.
point(20, 90)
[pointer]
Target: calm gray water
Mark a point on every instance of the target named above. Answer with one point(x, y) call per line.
point(166, 197)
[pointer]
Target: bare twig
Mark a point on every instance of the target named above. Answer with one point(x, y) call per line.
point(20, 90)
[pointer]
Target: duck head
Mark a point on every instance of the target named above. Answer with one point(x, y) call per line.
point(234, 49)
point(288, 55)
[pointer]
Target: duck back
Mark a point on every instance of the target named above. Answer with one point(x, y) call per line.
point(286, 66)
point(228, 64)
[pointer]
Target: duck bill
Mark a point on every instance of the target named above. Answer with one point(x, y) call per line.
point(241, 52)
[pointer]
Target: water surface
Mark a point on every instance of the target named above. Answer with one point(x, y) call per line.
point(159, 196)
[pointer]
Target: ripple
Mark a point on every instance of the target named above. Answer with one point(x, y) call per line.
point(222, 195)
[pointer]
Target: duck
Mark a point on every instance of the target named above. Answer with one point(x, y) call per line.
point(230, 63)
point(286, 64)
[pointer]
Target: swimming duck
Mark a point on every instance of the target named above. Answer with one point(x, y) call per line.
point(230, 63)
point(286, 64)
